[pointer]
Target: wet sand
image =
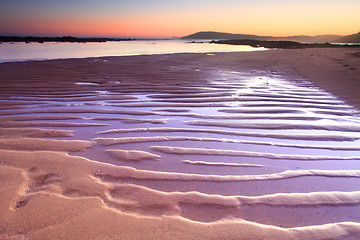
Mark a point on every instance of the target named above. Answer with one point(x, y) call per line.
point(252, 145)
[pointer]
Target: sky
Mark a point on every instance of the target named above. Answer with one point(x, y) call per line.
point(177, 18)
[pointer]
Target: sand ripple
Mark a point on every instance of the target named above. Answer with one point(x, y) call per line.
point(257, 154)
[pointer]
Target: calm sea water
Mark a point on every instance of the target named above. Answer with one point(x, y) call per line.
point(11, 52)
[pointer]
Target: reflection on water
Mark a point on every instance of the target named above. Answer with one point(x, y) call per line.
point(41, 51)
point(86, 83)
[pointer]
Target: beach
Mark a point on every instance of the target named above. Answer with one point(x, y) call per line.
point(245, 145)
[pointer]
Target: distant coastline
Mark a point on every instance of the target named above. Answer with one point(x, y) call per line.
point(283, 44)
point(354, 38)
point(60, 39)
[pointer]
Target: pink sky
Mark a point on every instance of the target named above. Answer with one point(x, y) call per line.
point(159, 18)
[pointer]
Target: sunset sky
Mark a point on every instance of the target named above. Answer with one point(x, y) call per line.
point(170, 18)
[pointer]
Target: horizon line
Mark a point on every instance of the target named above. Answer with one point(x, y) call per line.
point(157, 37)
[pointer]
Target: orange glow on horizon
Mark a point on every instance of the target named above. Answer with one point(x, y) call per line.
point(277, 20)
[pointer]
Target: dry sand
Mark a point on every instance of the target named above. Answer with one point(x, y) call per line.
point(245, 174)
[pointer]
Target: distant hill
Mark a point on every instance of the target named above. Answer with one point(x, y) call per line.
point(220, 35)
point(228, 36)
point(304, 38)
point(354, 38)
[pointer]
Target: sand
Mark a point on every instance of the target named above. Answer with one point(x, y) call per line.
point(132, 155)
point(252, 145)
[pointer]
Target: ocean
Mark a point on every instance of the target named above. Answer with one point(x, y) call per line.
point(14, 52)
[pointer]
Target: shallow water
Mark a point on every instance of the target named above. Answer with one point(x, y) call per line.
point(260, 119)
point(12, 52)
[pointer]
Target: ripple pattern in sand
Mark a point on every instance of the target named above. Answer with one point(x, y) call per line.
point(230, 146)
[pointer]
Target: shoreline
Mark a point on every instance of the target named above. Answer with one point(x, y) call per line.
point(285, 44)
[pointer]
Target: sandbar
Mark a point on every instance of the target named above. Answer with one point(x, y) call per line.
point(251, 145)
